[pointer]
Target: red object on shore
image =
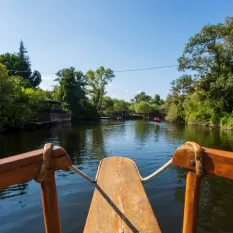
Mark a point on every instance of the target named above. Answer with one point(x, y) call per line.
point(156, 119)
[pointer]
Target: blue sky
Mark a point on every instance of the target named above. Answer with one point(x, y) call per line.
point(123, 34)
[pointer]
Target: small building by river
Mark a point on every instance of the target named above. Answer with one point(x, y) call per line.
point(53, 113)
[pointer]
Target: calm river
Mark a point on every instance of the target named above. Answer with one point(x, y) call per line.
point(150, 145)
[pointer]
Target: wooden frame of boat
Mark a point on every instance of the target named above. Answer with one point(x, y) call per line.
point(119, 192)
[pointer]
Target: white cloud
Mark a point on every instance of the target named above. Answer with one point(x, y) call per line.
point(126, 91)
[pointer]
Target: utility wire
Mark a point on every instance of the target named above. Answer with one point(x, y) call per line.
point(140, 69)
point(115, 71)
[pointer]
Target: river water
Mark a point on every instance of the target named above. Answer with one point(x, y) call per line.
point(149, 144)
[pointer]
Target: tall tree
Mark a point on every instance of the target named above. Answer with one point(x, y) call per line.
point(144, 108)
point(183, 85)
point(71, 89)
point(18, 105)
point(97, 81)
point(156, 99)
point(19, 65)
point(209, 54)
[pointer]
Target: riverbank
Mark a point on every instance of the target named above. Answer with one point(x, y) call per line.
point(33, 126)
point(211, 126)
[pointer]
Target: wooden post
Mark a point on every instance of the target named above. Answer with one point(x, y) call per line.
point(50, 206)
point(191, 203)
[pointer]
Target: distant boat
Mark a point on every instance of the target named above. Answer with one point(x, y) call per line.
point(105, 118)
point(156, 119)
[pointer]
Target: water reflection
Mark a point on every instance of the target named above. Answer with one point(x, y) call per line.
point(216, 193)
point(143, 130)
point(13, 191)
point(95, 147)
point(216, 205)
point(149, 144)
point(214, 138)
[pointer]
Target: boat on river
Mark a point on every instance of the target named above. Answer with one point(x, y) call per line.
point(156, 119)
point(119, 202)
point(105, 118)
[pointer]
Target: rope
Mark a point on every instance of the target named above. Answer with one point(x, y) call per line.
point(164, 167)
point(198, 155)
point(77, 171)
point(46, 170)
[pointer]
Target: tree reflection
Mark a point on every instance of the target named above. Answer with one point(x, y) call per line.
point(142, 130)
point(215, 205)
point(14, 190)
point(215, 210)
point(95, 143)
point(213, 138)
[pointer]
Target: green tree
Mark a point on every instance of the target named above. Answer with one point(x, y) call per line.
point(144, 108)
point(19, 65)
point(156, 99)
point(172, 113)
point(107, 105)
point(198, 109)
point(207, 99)
point(120, 105)
point(18, 105)
point(209, 53)
point(181, 88)
point(97, 81)
point(141, 97)
point(183, 85)
point(6, 87)
point(70, 89)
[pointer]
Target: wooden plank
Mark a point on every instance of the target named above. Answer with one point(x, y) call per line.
point(50, 206)
point(191, 203)
point(216, 162)
point(32, 157)
point(119, 202)
point(21, 168)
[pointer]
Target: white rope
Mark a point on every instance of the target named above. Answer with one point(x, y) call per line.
point(165, 166)
point(77, 171)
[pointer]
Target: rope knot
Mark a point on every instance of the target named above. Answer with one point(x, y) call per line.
point(46, 170)
point(199, 158)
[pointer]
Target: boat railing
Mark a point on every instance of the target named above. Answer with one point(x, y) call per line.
point(25, 167)
point(41, 165)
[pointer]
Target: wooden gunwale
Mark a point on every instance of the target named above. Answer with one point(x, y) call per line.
point(24, 167)
point(118, 191)
point(216, 162)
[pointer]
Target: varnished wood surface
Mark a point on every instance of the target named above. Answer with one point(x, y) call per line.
point(119, 203)
point(216, 162)
point(21, 168)
point(191, 203)
point(50, 206)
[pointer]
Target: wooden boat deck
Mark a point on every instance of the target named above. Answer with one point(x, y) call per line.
point(119, 203)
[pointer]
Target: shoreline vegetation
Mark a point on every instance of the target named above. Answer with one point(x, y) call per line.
point(201, 96)
point(204, 95)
